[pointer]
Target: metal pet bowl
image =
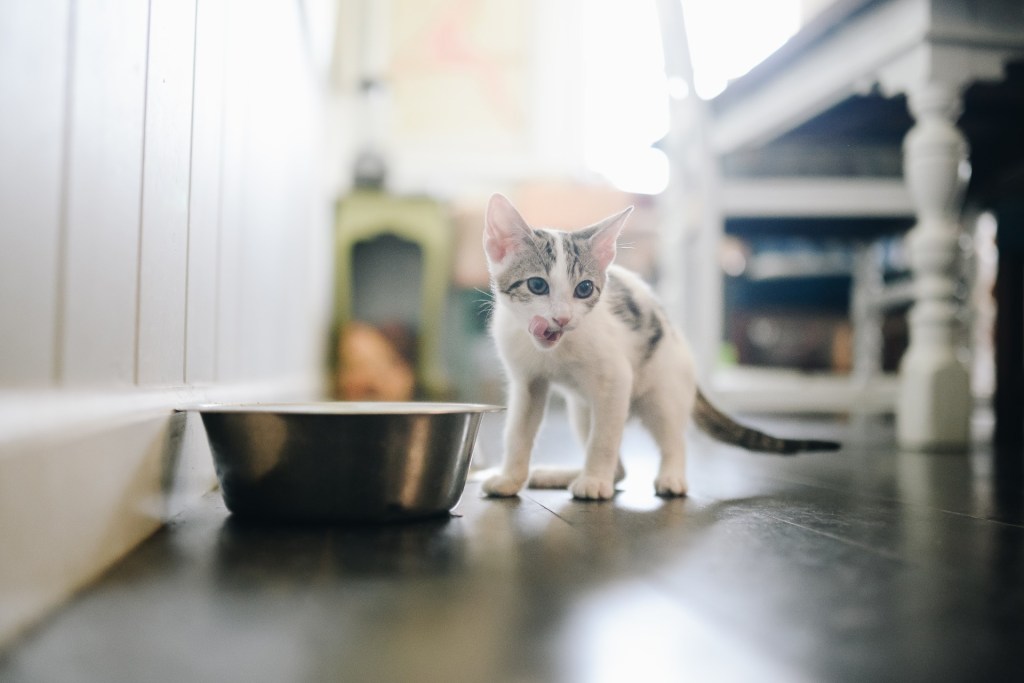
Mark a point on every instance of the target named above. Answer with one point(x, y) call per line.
point(342, 461)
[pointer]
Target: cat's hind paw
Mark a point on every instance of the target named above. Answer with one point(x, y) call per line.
point(552, 477)
point(670, 485)
point(586, 487)
point(502, 486)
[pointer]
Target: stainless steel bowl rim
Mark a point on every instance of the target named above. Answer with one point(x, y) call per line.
point(351, 408)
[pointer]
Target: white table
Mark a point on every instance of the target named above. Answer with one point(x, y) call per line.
point(930, 51)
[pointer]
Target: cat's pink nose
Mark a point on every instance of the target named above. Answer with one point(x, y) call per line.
point(561, 322)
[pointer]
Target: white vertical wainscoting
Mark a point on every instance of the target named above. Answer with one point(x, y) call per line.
point(233, 197)
point(272, 274)
point(205, 194)
point(163, 253)
point(259, 247)
point(104, 188)
point(33, 73)
point(164, 241)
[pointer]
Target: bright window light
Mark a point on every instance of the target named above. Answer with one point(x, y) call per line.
point(730, 37)
point(625, 94)
point(625, 88)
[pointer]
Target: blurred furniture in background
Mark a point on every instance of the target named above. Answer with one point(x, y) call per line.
point(814, 294)
point(400, 237)
point(857, 114)
point(371, 366)
point(1008, 401)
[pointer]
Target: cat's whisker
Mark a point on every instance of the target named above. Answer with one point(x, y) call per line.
point(485, 306)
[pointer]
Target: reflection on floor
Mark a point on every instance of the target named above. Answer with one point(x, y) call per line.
point(868, 564)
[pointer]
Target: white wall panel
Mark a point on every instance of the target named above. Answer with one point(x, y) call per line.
point(104, 192)
point(297, 179)
point(177, 195)
point(33, 73)
point(165, 194)
point(160, 236)
point(236, 163)
point(205, 183)
point(260, 283)
point(280, 186)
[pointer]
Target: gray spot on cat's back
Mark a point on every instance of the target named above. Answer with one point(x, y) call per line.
point(624, 306)
point(657, 331)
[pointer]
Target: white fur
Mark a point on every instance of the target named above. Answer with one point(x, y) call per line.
point(598, 363)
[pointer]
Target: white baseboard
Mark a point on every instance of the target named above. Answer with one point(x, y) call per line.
point(87, 476)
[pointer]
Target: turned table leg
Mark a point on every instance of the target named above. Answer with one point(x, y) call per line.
point(934, 405)
point(1008, 402)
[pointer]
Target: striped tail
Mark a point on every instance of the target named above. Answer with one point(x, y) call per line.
point(722, 427)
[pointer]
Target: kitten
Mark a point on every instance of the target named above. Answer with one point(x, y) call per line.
point(566, 317)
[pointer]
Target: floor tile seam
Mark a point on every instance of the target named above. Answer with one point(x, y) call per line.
point(525, 497)
point(884, 554)
point(774, 516)
point(907, 562)
point(545, 507)
point(989, 520)
point(888, 499)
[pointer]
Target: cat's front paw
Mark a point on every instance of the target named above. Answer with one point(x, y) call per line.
point(587, 487)
point(502, 486)
point(670, 485)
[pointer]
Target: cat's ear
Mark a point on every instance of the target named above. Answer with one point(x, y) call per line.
point(505, 231)
point(604, 235)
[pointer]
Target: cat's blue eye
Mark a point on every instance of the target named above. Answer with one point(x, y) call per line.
point(584, 289)
point(537, 285)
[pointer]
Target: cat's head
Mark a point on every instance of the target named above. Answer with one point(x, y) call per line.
point(549, 279)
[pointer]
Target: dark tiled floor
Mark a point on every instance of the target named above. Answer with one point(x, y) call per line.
point(865, 565)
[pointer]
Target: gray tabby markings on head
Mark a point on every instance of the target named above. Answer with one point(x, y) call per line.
point(543, 255)
point(580, 263)
point(525, 263)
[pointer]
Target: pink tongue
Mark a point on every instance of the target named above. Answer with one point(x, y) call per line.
point(538, 326)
